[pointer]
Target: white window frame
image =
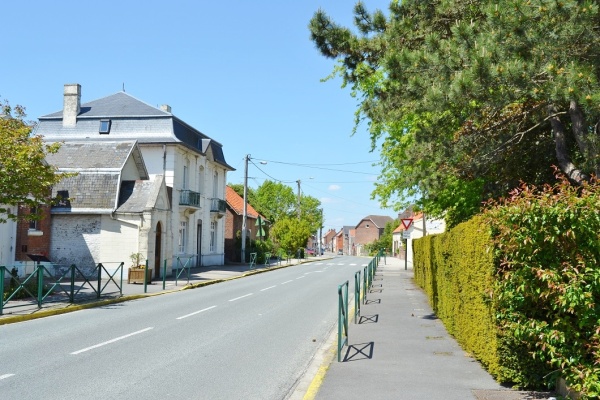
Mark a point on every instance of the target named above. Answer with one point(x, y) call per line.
point(182, 237)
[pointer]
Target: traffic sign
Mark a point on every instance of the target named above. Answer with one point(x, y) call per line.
point(405, 235)
point(407, 222)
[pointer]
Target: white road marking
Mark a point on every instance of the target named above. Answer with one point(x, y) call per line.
point(6, 376)
point(300, 277)
point(267, 288)
point(241, 297)
point(353, 264)
point(111, 341)
point(283, 283)
point(196, 312)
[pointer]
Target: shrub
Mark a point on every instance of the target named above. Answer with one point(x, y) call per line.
point(547, 297)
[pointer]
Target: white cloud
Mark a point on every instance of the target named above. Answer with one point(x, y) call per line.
point(334, 187)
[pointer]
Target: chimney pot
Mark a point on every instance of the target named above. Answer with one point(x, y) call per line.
point(166, 108)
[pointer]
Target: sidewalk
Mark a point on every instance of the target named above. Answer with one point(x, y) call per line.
point(17, 311)
point(398, 349)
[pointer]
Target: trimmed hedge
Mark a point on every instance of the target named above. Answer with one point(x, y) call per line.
point(519, 286)
point(456, 270)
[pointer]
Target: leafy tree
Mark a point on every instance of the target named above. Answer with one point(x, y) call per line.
point(386, 239)
point(274, 200)
point(311, 212)
point(25, 178)
point(290, 233)
point(468, 98)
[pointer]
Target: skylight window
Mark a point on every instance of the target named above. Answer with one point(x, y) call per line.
point(104, 126)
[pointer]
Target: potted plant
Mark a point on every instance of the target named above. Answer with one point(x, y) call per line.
point(137, 271)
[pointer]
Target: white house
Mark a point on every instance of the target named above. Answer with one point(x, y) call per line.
point(8, 231)
point(419, 227)
point(192, 164)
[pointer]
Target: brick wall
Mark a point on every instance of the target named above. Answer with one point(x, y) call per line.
point(33, 241)
point(367, 232)
point(75, 239)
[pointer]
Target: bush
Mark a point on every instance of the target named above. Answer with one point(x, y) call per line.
point(547, 251)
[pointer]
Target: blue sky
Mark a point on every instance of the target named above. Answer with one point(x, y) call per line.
point(244, 73)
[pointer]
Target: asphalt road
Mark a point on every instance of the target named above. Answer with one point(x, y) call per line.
point(249, 338)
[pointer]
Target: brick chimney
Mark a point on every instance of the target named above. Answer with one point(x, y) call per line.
point(71, 104)
point(166, 108)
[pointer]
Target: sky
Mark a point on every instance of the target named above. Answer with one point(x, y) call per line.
point(244, 73)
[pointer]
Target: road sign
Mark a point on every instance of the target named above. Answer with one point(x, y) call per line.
point(407, 222)
point(405, 235)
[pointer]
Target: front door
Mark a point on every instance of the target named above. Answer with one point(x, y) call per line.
point(158, 265)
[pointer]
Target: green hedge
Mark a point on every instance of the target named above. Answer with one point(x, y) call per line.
point(519, 286)
point(456, 270)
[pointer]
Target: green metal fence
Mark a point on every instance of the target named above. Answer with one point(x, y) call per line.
point(63, 284)
point(356, 296)
point(342, 317)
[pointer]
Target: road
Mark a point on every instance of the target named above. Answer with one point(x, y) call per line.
point(250, 338)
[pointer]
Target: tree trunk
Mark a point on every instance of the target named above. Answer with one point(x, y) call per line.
point(562, 153)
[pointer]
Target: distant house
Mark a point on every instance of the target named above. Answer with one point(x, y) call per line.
point(328, 240)
point(369, 229)
point(192, 165)
point(420, 227)
point(233, 223)
point(342, 240)
point(109, 209)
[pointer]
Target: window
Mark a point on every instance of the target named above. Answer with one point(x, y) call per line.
point(185, 177)
point(33, 224)
point(213, 236)
point(216, 185)
point(104, 126)
point(182, 236)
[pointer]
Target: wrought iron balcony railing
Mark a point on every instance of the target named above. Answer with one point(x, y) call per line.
point(189, 198)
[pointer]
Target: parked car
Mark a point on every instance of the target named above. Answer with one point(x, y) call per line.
point(340, 252)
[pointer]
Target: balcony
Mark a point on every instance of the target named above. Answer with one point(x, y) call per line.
point(218, 206)
point(189, 199)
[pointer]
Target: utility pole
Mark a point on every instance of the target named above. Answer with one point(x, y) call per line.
point(245, 214)
point(298, 182)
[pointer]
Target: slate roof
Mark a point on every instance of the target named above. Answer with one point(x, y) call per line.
point(98, 166)
point(131, 119)
point(236, 202)
point(94, 155)
point(378, 220)
point(137, 196)
point(94, 192)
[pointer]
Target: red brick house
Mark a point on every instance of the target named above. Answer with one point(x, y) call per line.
point(234, 214)
point(33, 237)
point(369, 229)
point(328, 240)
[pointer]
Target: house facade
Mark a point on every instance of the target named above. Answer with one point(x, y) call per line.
point(369, 229)
point(233, 224)
point(108, 209)
point(191, 164)
point(328, 240)
point(8, 241)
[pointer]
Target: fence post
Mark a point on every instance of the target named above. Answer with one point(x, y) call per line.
point(2, 269)
point(356, 295)
point(99, 266)
point(72, 294)
point(146, 277)
point(342, 317)
point(40, 288)
point(365, 285)
point(121, 284)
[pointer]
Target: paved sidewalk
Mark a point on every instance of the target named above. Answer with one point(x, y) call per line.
point(398, 349)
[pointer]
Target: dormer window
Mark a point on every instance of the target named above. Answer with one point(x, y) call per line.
point(104, 126)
